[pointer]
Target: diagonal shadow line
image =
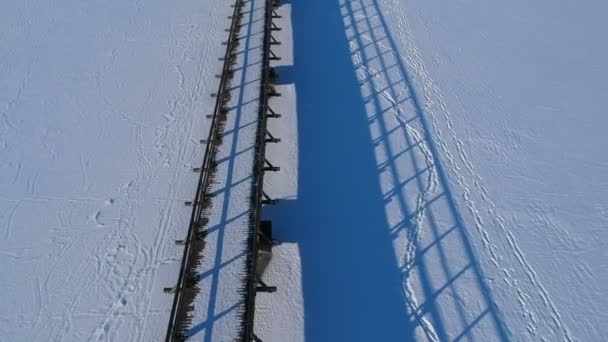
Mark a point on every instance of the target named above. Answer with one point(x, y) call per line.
point(372, 76)
point(224, 219)
point(209, 322)
point(492, 310)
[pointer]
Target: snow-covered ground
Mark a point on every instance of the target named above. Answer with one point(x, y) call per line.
point(102, 105)
point(450, 170)
point(442, 170)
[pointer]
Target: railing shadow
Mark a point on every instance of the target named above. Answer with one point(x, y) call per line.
point(219, 304)
point(374, 205)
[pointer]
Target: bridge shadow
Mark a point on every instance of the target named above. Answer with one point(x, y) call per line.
point(385, 252)
point(350, 277)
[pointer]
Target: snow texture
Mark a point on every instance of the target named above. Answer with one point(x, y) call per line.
point(102, 105)
point(443, 173)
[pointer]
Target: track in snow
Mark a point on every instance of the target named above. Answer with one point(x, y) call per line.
point(542, 320)
point(421, 210)
point(98, 144)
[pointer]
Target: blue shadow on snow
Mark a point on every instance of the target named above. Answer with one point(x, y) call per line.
point(353, 287)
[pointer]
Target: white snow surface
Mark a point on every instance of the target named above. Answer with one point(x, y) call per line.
point(102, 105)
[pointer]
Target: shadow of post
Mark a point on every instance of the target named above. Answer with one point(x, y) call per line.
point(374, 197)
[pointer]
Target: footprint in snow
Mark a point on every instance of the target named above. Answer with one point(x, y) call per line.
point(97, 219)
